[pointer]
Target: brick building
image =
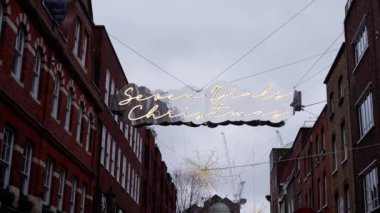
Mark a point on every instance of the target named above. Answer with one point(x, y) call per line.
point(362, 24)
point(285, 174)
point(340, 133)
point(61, 147)
point(48, 106)
point(301, 175)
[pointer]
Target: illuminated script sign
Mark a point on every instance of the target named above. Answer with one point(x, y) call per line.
point(220, 104)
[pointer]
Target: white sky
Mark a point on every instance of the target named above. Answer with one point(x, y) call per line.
point(196, 40)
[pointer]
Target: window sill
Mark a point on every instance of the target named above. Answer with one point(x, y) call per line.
point(79, 60)
point(363, 136)
point(89, 153)
point(68, 131)
point(322, 154)
point(17, 80)
point(35, 99)
point(55, 119)
point(307, 176)
point(373, 210)
point(344, 161)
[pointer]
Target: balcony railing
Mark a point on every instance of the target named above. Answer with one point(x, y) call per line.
point(348, 5)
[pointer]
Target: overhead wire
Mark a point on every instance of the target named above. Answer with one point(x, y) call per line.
point(150, 61)
point(281, 66)
point(169, 148)
point(258, 44)
point(315, 74)
point(292, 159)
point(317, 61)
point(319, 102)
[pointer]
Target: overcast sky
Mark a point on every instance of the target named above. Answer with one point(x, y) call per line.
point(196, 40)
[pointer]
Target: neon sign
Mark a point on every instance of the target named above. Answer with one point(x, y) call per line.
point(220, 104)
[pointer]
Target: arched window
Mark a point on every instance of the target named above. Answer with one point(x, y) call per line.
point(20, 44)
point(36, 74)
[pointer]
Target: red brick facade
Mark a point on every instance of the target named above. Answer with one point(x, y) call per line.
point(301, 175)
point(55, 124)
point(362, 24)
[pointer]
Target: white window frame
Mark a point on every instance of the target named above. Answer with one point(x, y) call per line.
point(139, 190)
point(36, 74)
point(341, 205)
point(131, 130)
point(113, 155)
point(126, 131)
point(77, 37)
point(73, 195)
point(89, 132)
point(84, 50)
point(83, 199)
point(371, 189)
point(19, 53)
point(118, 165)
point(136, 177)
point(107, 88)
point(79, 123)
point(108, 152)
point(112, 92)
point(47, 181)
point(56, 94)
point(335, 156)
point(129, 178)
point(69, 104)
point(343, 136)
point(135, 141)
point(103, 145)
point(365, 114)
point(123, 172)
point(61, 189)
point(27, 157)
point(360, 42)
point(347, 199)
point(121, 125)
point(6, 154)
point(133, 184)
point(140, 149)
